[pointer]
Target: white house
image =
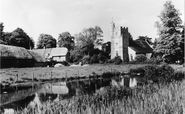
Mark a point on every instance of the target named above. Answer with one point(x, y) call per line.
point(59, 54)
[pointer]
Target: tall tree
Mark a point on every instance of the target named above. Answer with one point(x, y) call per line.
point(89, 38)
point(19, 38)
point(66, 40)
point(169, 30)
point(46, 41)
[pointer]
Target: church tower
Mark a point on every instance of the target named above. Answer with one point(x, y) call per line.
point(119, 42)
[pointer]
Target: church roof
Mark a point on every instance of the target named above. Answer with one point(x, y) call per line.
point(140, 46)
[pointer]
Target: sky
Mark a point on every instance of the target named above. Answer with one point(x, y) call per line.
point(56, 16)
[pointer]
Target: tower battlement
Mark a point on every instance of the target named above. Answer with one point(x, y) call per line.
point(119, 42)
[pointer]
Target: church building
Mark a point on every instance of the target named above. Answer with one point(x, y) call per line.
point(124, 46)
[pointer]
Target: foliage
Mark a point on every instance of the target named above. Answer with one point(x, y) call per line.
point(140, 58)
point(146, 38)
point(89, 38)
point(76, 55)
point(178, 75)
point(116, 60)
point(106, 47)
point(18, 38)
point(153, 60)
point(66, 40)
point(163, 73)
point(86, 59)
point(94, 58)
point(169, 30)
point(46, 41)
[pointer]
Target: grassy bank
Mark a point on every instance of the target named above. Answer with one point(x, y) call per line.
point(46, 72)
point(147, 99)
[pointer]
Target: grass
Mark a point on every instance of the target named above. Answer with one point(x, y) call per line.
point(46, 72)
point(147, 99)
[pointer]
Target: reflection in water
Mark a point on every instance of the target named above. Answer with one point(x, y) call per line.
point(64, 90)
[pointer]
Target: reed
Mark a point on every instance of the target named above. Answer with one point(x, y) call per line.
point(147, 99)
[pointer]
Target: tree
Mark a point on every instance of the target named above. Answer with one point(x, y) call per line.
point(19, 38)
point(66, 40)
point(46, 41)
point(169, 30)
point(1, 34)
point(106, 47)
point(89, 38)
point(146, 38)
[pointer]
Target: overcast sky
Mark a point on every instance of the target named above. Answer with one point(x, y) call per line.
point(57, 16)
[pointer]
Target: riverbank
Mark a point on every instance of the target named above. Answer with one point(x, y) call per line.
point(18, 74)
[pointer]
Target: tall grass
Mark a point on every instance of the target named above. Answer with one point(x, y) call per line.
point(146, 99)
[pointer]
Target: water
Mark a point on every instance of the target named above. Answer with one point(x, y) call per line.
point(18, 99)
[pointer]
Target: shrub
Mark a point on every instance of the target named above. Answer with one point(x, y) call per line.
point(150, 72)
point(179, 75)
point(65, 63)
point(140, 58)
point(116, 60)
point(94, 59)
point(154, 61)
point(102, 58)
point(86, 59)
point(165, 72)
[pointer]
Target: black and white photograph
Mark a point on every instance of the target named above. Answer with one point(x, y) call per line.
point(92, 57)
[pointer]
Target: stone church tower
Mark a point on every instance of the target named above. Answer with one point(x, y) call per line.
point(119, 42)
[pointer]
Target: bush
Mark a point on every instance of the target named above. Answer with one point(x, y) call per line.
point(94, 59)
point(179, 75)
point(65, 63)
point(163, 73)
point(86, 59)
point(154, 61)
point(140, 58)
point(102, 58)
point(150, 72)
point(116, 60)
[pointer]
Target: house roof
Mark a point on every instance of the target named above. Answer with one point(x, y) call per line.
point(140, 46)
point(40, 55)
point(58, 52)
point(14, 51)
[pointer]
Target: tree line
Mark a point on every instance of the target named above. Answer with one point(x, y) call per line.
point(83, 46)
